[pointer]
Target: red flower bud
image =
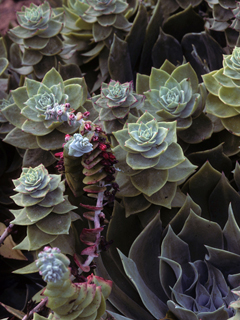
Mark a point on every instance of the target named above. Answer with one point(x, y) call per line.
point(105, 155)
point(111, 157)
point(102, 146)
point(86, 114)
point(87, 126)
point(67, 137)
point(95, 138)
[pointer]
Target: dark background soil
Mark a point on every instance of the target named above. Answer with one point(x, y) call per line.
point(8, 10)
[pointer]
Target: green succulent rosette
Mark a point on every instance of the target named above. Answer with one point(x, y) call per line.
point(151, 163)
point(46, 212)
point(175, 94)
point(38, 34)
point(223, 86)
point(90, 26)
point(43, 112)
point(115, 102)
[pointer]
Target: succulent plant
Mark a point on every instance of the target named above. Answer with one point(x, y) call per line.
point(225, 18)
point(66, 299)
point(151, 163)
point(3, 67)
point(115, 102)
point(175, 94)
point(3, 57)
point(42, 112)
point(46, 211)
point(223, 86)
point(5, 126)
point(203, 279)
point(38, 35)
point(88, 155)
point(182, 268)
point(97, 20)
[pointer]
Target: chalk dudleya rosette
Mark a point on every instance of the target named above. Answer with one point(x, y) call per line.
point(46, 211)
point(79, 145)
point(192, 272)
point(43, 112)
point(115, 102)
point(151, 163)
point(224, 89)
point(67, 300)
point(175, 94)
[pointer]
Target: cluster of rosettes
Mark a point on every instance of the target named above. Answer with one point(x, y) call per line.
point(51, 264)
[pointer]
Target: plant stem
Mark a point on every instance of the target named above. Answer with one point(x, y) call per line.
point(38, 308)
point(96, 222)
point(6, 233)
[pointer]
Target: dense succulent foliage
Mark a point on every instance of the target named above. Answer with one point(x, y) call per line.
point(193, 270)
point(46, 212)
point(99, 20)
point(120, 143)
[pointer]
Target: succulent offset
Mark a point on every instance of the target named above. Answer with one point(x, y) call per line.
point(223, 87)
point(151, 163)
point(46, 211)
point(86, 300)
point(43, 112)
point(115, 102)
point(38, 35)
